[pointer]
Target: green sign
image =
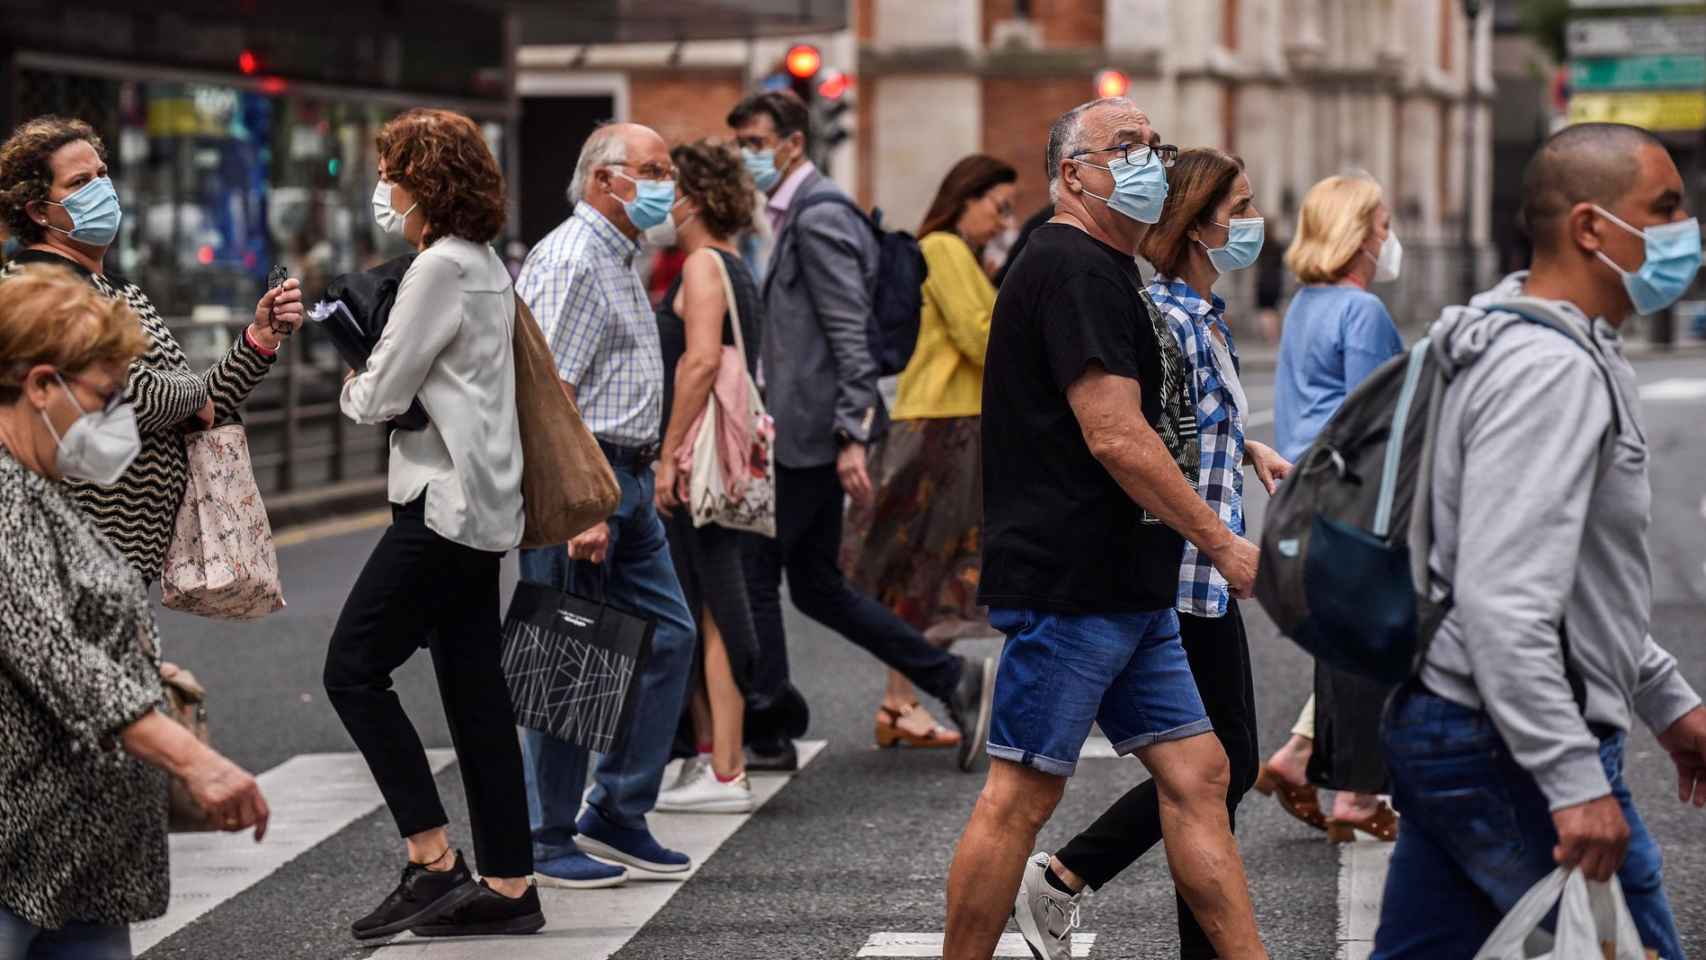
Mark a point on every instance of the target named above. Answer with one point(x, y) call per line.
point(1670, 72)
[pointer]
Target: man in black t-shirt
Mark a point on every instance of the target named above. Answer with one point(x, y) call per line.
point(1087, 432)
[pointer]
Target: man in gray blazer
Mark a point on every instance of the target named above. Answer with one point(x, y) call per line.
point(821, 386)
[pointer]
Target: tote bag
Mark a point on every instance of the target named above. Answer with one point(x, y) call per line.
point(733, 484)
point(566, 484)
point(221, 563)
point(572, 663)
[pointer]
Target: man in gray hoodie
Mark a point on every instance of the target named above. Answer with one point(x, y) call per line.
point(1507, 751)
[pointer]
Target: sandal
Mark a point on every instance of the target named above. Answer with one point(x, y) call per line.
point(1382, 825)
point(890, 734)
point(1301, 802)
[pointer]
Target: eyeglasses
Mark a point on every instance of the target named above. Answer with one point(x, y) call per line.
point(650, 171)
point(1137, 154)
point(1004, 210)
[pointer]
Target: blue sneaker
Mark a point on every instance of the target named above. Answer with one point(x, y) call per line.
point(636, 848)
point(577, 871)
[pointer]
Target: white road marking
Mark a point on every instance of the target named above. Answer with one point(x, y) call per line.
point(593, 924)
point(1098, 748)
point(1676, 388)
point(930, 945)
point(312, 796)
point(1362, 880)
point(1260, 418)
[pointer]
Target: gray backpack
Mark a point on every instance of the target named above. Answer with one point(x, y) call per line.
point(1345, 544)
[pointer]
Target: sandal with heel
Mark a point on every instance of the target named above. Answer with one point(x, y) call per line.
point(890, 734)
point(1301, 802)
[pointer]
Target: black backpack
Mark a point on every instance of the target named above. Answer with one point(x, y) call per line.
point(898, 299)
point(1345, 544)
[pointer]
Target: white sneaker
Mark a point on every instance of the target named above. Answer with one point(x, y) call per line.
point(1046, 916)
point(707, 794)
point(692, 768)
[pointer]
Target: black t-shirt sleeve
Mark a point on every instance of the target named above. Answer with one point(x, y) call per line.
point(1094, 320)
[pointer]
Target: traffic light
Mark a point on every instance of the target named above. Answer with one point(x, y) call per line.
point(824, 90)
point(802, 65)
point(1112, 83)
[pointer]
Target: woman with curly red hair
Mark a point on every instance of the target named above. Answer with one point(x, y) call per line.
point(432, 581)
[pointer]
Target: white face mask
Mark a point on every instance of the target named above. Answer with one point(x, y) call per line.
point(384, 214)
point(1390, 261)
point(98, 447)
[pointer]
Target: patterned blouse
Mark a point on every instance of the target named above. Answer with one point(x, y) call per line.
point(82, 823)
point(139, 512)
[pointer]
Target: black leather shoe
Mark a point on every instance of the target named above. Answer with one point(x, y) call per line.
point(424, 895)
point(970, 706)
point(777, 756)
point(488, 914)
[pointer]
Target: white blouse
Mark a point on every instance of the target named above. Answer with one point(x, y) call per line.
point(450, 342)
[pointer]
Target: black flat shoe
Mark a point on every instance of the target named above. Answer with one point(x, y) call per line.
point(423, 895)
point(778, 756)
point(487, 914)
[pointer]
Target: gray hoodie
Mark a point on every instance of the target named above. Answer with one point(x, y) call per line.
point(1533, 527)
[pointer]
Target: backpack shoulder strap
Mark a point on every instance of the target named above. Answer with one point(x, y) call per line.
point(831, 196)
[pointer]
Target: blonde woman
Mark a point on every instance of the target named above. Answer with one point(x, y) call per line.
point(1335, 334)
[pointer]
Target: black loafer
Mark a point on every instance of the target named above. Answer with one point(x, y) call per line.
point(423, 895)
point(777, 756)
point(487, 914)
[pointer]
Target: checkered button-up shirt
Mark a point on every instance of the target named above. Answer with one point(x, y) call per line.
point(1220, 426)
point(581, 284)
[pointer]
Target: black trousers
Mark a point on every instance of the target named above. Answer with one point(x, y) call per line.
point(1219, 653)
point(1348, 752)
point(809, 508)
point(419, 589)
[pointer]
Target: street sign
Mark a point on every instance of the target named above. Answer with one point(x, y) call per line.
point(1674, 111)
point(1622, 36)
point(1657, 72)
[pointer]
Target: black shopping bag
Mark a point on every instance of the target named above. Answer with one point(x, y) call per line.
point(573, 664)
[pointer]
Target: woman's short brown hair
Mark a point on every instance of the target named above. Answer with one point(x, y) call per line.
point(712, 175)
point(1197, 184)
point(441, 158)
point(1337, 214)
point(50, 315)
point(26, 173)
point(970, 178)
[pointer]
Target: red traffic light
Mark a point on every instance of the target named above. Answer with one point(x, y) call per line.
point(247, 63)
point(834, 85)
point(804, 60)
point(1112, 83)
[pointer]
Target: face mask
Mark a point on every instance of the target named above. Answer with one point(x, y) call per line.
point(1139, 192)
point(651, 204)
point(1673, 258)
point(1244, 236)
point(1391, 259)
point(97, 447)
point(94, 211)
point(666, 234)
point(761, 166)
point(389, 220)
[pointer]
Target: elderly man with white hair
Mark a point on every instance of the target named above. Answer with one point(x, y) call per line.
point(1090, 463)
point(581, 283)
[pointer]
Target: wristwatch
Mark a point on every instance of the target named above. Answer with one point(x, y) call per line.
point(843, 439)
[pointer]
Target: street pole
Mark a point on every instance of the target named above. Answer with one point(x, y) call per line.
point(1471, 12)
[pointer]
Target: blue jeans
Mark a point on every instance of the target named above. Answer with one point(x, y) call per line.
point(641, 577)
point(23, 940)
point(1060, 673)
point(1478, 833)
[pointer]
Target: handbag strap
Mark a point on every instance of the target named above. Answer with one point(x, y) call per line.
point(734, 305)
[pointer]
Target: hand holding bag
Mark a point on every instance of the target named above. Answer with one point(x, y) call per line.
point(1593, 923)
point(221, 563)
point(566, 484)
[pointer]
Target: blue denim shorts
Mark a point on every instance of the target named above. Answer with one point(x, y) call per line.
point(1059, 673)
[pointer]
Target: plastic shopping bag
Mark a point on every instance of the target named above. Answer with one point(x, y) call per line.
point(1593, 923)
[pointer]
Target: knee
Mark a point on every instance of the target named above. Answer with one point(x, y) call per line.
point(1019, 803)
point(1200, 775)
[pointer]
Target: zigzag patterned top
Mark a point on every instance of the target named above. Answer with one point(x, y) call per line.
point(138, 513)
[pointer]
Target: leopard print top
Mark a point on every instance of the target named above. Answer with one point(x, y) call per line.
point(82, 823)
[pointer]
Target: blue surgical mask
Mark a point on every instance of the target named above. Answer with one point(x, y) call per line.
point(1139, 192)
point(1244, 236)
point(651, 203)
point(1673, 258)
point(761, 165)
point(94, 211)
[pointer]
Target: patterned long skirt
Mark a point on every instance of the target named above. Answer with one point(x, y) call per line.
point(917, 548)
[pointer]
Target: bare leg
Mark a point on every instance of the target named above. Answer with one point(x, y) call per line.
point(1191, 778)
point(1291, 761)
point(1016, 801)
point(699, 711)
point(899, 693)
point(725, 704)
point(431, 848)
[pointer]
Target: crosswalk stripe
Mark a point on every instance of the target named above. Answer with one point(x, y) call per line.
point(593, 924)
point(1676, 388)
point(1362, 880)
point(312, 797)
point(930, 945)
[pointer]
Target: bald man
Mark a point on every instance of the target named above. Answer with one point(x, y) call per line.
point(581, 283)
point(1507, 751)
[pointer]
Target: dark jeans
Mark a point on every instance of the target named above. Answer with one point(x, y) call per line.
point(1219, 653)
point(809, 507)
point(1478, 833)
point(419, 589)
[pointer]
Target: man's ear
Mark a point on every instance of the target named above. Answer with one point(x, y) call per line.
point(1582, 227)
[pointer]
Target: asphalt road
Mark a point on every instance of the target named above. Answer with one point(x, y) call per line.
point(859, 843)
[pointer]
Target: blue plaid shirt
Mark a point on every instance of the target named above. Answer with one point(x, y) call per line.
point(1220, 425)
point(581, 285)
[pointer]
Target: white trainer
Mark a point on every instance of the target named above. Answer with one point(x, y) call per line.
point(706, 794)
point(1046, 916)
point(692, 769)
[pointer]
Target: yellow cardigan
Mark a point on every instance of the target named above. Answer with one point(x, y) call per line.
point(945, 375)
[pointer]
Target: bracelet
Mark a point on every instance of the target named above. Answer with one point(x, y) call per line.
point(256, 344)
